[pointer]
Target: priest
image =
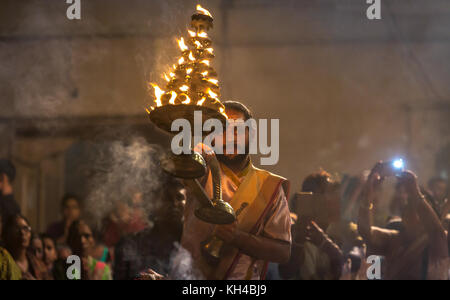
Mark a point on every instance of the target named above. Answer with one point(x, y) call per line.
point(261, 233)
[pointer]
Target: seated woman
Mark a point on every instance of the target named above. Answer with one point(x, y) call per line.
point(81, 241)
point(17, 239)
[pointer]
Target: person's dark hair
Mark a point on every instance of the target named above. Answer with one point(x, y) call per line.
point(67, 197)
point(73, 232)
point(316, 182)
point(7, 229)
point(238, 106)
point(8, 168)
point(44, 236)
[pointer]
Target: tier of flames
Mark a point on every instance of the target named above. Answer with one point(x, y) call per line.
point(192, 80)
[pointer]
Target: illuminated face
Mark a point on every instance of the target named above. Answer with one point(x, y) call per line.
point(235, 136)
point(38, 248)
point(49, 251)
point(84, 242)
point(22, 233)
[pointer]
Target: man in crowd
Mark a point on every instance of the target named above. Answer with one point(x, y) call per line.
point(438, 188)
point(419, 249)
point(261, 233)
point(154, 247)
point(314, 256)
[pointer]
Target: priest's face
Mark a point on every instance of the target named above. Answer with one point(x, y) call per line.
point(237, 138)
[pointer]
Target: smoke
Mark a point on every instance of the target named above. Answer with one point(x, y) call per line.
point(121, 170)
point(182, 265)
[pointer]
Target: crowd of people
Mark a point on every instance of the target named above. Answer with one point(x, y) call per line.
point(325, 232)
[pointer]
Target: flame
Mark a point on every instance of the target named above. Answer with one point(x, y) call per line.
point(202, 34)
point(191, 56)
point(198, 44)
point(192, 33)
point(172, 99)
point(222, 110)
point(181, 61)
point(214, 81)
point(188, 71)
point(187, 101)
point(212, 94)
point(184, 88)
point(205, 73)
point(210, 50)
point(203, 11)
point(166, 77)
point(206, 62)
point(182, 45)
point(158, 94)
point(200, 102)
point(148, 110)
point(172, 74)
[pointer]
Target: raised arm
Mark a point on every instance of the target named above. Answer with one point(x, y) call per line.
point(431, 222)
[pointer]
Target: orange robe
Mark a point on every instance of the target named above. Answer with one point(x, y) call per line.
point(267, 214)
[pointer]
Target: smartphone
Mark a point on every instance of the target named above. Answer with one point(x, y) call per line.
point(304, 204)
point(392, 168)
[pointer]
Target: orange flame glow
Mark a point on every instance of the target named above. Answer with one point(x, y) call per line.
point(212, 94)
point(158, 94)
point(213, 81)
point(182, 45)
point(172, 99)
point(203, 11)
point(201, 101)
point(187, 101)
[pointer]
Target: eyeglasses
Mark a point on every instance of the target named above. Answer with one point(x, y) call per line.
point(24, 229)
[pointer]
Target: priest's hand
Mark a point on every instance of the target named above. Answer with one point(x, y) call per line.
point(227, 233)
point(150, 275)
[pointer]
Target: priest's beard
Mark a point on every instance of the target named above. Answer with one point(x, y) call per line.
point(235, 162)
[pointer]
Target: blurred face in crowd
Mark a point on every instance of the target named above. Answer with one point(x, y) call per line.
point(83, 241)
point(37, 248)
point(71, 210)
point(49, 251)
point(137, 199)
point(172, 206)
point(63, 252)
point(20, 234)
point(439, 190)
point(122, 212)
